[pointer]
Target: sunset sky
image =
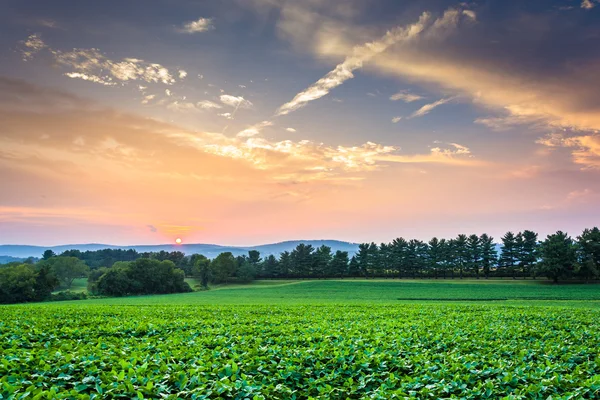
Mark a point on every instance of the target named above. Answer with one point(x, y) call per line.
point(252, 121)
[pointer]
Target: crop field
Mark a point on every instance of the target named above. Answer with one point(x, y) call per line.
point(353, 349)
point(380, 292)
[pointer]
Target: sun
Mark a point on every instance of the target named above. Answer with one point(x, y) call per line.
point(178, 241)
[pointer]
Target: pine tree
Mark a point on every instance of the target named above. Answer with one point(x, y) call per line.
point(558, 256)
point(489, 255)
point(509, 255)
point(474, 248)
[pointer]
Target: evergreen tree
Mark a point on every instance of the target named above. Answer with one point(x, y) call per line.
point(339, 264)
point(475, 254)
point(461, 252)
point(509, 255)
point(270, 267)
point(322, 259)
point(302, 260)
point(528, 252)
point(589, 253)
point(399, 249)
point(354, 267)
point(285, 264)
point(558, 256)
point(489, 255)
point(434, 256)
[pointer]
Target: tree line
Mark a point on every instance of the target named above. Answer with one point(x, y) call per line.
point(116, 272)
point(558, 257)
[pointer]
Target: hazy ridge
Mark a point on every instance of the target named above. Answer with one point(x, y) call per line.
point(209, 250)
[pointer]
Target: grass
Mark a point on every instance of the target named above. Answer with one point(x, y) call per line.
point(79, 285)
point(378, 292)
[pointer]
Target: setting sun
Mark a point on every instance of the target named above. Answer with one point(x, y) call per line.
point(178, 241)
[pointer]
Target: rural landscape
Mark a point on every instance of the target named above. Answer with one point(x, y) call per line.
point(298, 200)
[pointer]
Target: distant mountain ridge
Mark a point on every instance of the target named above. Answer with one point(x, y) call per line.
point(209, 250)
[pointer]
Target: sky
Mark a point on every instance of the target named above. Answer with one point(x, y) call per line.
point(243, 122)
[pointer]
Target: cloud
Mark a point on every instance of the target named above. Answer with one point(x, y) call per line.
point(200, 25)
point(579, 195)
point(226, 115)
point(587, 4)
point(396, 119)
point(154, 150)
point(187, 106)
point(585, 149)
point(148, 98)
point(182, 74)
point(152, 228)
point(32, 45)
point(292, 130)
point(254, 129)
point(90, 78)
point(516, 76)
point(235, 101)
point(426, 109)
point(93, 66)
point(344, 71)
point(406, 97)
point(207, 105)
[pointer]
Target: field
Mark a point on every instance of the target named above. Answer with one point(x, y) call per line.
point(312, 339)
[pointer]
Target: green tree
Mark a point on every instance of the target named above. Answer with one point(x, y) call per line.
point(322, 259)
point(339, 264)
point(489, 255)
point(558, 256)
point(48, 254)
point(270, 267)
point(45, 283)
point(202, 270)
point(246, 272)
point(509, 255)
point(285, 264)
point(434, 256)
point(528, 252)
point(475, 254)
point(399, 256)
point(302, 259)
point(223, 267)
point(17, 284)
point(93, 277)
point(255, 261)
point(589, 253)
point(354, 267)
point(461, 251)
point(67, 269)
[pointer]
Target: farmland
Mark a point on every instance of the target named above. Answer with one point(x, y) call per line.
point(316, 339)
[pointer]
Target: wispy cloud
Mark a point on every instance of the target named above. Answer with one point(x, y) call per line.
point(344, 71)
point(207, 105)
point(406, 97)
point(396, 119)
point(31, 46)
point(587, 4)
point(292, 130)
point(585, 149)
point(93, 66)
point(235, 101)
point(200, 25)
point(426, 109)
point(152, 228)
point(254, 129)
point(90, 78)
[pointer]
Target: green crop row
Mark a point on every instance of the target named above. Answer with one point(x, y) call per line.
point(298, 352)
